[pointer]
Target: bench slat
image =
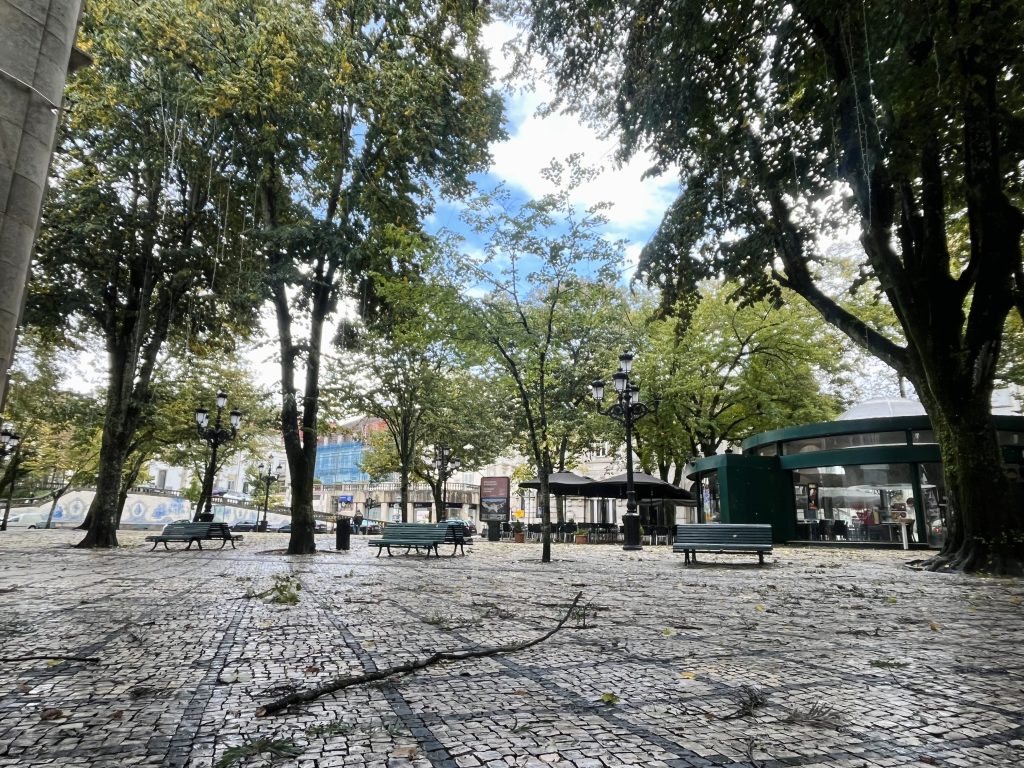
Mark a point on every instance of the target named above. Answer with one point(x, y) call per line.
point(728, 538)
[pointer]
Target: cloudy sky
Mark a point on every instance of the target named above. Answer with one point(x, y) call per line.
point(638, 204)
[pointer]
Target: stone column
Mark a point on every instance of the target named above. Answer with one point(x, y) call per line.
point(36, 43)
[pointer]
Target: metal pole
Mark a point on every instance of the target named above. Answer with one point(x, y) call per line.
point(10, 492)
point(266, 502)
point(631, 521)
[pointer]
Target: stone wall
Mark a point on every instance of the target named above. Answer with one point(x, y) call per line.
point(36, 44)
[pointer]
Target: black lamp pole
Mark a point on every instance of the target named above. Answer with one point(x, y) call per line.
point(446, 464)
point(215, 435)
point(9, 447)
point(628, 409)
point(267, 480)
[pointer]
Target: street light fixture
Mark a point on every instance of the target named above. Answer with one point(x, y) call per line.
point(628, 409)
point(216, 436)
point(446, 465)
point(9, 443)
point(267, 480)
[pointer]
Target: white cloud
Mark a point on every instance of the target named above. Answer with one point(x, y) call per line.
point(638, 204)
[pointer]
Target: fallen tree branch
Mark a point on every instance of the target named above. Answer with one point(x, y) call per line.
point(53, 656)
point(338, 683)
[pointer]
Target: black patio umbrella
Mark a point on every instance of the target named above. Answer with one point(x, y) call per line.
point(561, 483)
point(646, 487)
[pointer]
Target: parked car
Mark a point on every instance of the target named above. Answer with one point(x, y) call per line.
point(244, 525)
point(25, 520)
point(469, 525)
point(286, 528)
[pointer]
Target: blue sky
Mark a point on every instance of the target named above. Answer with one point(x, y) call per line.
point(638, 204)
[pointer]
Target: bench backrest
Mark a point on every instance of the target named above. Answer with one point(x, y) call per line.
point(197, 530)
point(415, 532)
point(187, 529)
point(723, 533)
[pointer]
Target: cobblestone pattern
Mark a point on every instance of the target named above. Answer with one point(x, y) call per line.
point(820, 658)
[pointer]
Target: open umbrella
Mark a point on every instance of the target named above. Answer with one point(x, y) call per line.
point(561, 483)
point(646, 487)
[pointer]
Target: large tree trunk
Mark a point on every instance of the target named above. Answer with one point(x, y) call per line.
point(104, 512)
point(990, 538)
point(300, 430)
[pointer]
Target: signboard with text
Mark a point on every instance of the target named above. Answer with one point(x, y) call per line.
point(494, 499)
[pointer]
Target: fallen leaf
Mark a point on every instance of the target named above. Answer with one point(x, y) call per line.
point(54, 662)
point(609, 698)
point(117, 714)
point(934, 626)
point(407, 752)
point(52, 714)
point(668, 632)
point(759, 607)
point(687, 675)
point(312, 669)
point(1016, 600)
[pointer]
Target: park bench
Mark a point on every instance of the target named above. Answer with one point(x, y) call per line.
point(420, 536)
point(722, 538)
point(195, 532)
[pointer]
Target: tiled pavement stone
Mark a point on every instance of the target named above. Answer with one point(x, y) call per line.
point(858, 661)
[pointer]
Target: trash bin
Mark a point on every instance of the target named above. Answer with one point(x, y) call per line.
point(342, 533)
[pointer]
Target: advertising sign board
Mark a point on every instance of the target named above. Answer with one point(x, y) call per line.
point(494, 499)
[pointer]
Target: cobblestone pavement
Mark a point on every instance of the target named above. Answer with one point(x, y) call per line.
point(820, 658)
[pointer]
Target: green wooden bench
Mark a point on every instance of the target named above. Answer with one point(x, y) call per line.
point(195, 532)
point(720, 538)
point(419, 536)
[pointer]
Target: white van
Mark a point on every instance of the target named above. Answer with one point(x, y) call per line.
point(25, 520)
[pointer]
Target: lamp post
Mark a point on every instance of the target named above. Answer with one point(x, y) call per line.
point(267, 480)
point(215, 435)
point(9, 443)
point(446, 465)
point(628, 409)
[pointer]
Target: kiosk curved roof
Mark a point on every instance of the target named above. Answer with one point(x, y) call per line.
point(879, 407)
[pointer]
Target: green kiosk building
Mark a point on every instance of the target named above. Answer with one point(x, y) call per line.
point(874, 475)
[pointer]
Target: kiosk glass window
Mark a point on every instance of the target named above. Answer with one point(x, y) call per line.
point(857, 502)
point(710, 499)
point(841, 442)
point(934, 504)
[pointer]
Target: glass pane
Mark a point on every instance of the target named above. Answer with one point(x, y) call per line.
point(768, 450)
point(936, 506)
point(839, 442)
point(923, 437)
point(859, 502)
point(1011, 438)
point(711, 505)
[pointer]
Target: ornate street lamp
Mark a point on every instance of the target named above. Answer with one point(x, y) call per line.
point(215, 436)
point(267, 480)
point(446, 465)
point(628, 409)
point(9, 443)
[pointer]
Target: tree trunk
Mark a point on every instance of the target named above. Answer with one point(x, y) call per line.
point(991, 537)
point(403, 492)
point(105, 508)
point(544, 503)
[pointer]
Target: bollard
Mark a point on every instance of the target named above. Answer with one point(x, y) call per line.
point(343, 533)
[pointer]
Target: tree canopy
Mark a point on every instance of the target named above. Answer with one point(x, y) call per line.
point(789, 122)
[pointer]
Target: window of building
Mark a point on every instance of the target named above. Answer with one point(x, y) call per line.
point(858, 502)
point(840, 442)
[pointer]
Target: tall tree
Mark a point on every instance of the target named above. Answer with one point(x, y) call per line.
point(792, 119)
point(731, 372)
point(550, 275)
point(366, 110)
point(142, 221)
